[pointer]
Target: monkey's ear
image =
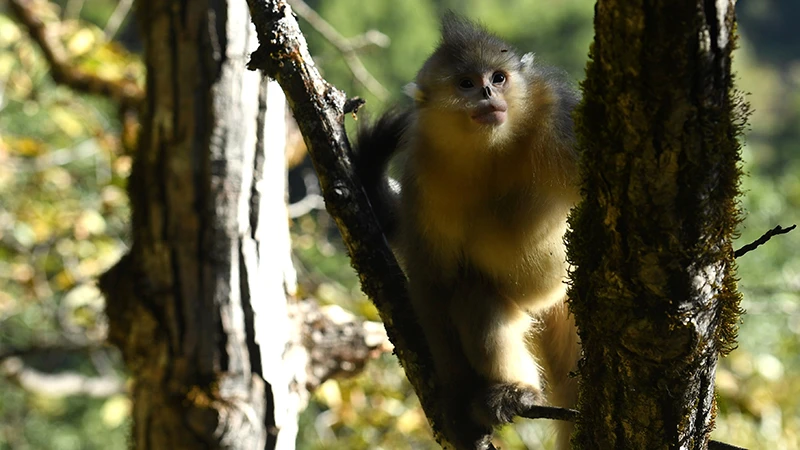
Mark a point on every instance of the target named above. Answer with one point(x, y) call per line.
point(527, 61)
point(412, 90)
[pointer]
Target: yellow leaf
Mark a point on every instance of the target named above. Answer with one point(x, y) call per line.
point(115, 410)
point(9, 32)
point(330, 394)
point(81, 42)
point(26, 147)
point(7, 63)
point(89, 223)
point(67, 122)
point(59, 177)
point(7, 304)
point(64, 280)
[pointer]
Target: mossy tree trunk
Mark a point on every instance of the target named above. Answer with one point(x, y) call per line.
point(198, 305)
point(654, 292)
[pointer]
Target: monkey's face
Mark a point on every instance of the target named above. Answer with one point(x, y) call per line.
point(472, 108)
point(484, 96)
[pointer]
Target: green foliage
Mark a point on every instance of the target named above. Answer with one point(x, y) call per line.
point(63, 220)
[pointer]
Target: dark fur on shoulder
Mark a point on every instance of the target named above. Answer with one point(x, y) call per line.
point(375, 145)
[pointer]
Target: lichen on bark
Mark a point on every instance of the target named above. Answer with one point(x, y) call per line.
point(653, 282)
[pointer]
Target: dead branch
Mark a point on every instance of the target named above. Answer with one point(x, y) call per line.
point(59, 384)
point(338, 344)
point(117, 17)
point(347, 47)
point(762, 240)
point(126, 92)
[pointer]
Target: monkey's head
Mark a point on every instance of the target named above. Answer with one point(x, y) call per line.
point(473, 86)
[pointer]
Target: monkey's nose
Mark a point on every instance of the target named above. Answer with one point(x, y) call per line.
point(487, 92)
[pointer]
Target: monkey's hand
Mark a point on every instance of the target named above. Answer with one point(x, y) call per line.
point(498, 404)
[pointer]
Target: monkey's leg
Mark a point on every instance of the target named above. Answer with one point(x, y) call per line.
point(493, 333)
point(457, 379)
point(559, 348)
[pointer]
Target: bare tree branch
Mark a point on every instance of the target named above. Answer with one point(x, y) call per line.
point(60, 384)
point(763, 240)
point(45, 348)
point(305, 205)
point(717, 445)
point(347, 47)
point(338, 343)
point(72, 10)
point(117, 17)
point(126, 92)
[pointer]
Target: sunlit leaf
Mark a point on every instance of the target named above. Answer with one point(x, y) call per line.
point(89, 223)
point(9, 31)
point(67, 122)
point(81, 42)
point(115, 410)
point(24, 234)
point(26, 146)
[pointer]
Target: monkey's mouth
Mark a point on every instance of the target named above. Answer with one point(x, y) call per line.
point(492, 115)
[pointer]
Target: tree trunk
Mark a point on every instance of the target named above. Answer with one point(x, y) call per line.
point(198, 305)
point(654, 291)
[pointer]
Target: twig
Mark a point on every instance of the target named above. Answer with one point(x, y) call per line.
point(570, 415)
point(347, 47)
point(352, 105)
point(126, 92)
point(72, 10)
point(117, 17)
point(717, 445)
point(550, 412)
point(46, 348)
point(61, 384)
point(310, 202)
point(762, 240)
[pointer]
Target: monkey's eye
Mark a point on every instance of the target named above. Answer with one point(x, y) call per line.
point(498, 78)
point(466, 83)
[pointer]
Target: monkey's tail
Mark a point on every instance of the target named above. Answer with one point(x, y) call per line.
point(375, 145)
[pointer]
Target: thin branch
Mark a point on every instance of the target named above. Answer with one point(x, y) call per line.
point(48, 348)
point(310, 202)
point(763, 240)
point(126, 92)
point(550, 412)
point(60, 384)
point(117, 17)
point(347, 47)
point(72, 10)
point(717, 445)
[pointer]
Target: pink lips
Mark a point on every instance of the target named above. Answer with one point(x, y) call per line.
point(492, 115)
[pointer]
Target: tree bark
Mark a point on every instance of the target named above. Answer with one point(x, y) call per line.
point(653, 287)
point(198, 305)
point(320, 109)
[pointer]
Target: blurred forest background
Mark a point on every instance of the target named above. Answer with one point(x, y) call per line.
point(65, 157)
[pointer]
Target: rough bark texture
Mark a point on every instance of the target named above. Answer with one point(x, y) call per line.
point(319, 109)
point(654, 292)
point(198, 305)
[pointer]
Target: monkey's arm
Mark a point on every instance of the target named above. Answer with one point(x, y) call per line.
point(493, 332)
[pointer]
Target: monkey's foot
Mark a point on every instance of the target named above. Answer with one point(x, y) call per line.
point(500, 403)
